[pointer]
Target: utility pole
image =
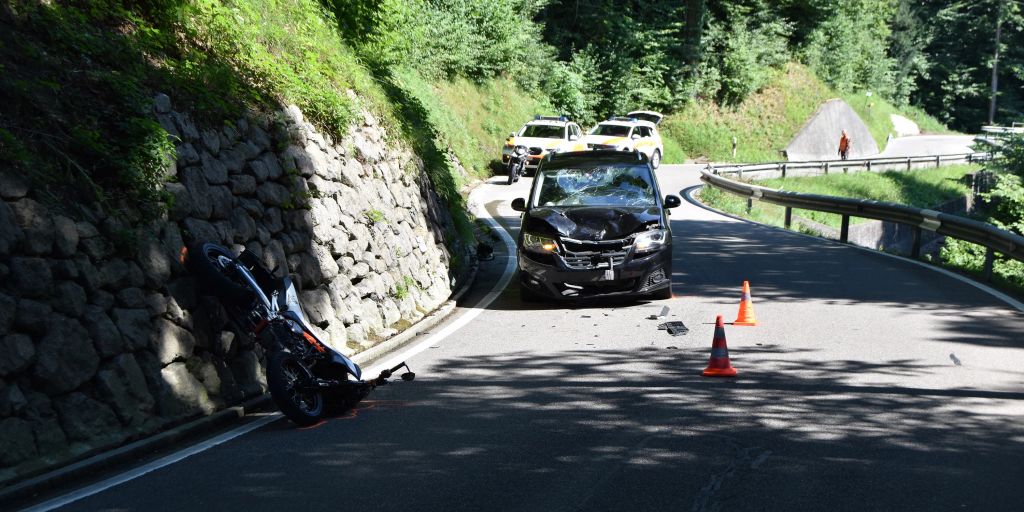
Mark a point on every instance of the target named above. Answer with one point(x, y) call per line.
point(995, 65)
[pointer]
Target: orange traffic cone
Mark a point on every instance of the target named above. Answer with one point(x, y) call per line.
point(746, 316)
point(718, 364)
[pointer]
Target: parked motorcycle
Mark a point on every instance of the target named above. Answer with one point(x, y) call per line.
point(307, 379)
point(517, 163)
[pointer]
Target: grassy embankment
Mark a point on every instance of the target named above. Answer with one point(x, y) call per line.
point(765, 122)
point(922, 188)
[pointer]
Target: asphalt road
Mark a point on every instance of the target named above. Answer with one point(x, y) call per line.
point(847, 398)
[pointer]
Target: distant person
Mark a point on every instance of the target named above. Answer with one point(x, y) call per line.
point(844, 146)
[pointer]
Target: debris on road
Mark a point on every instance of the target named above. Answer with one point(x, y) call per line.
point(675, 328)
point(663, 314)
point(956, 360)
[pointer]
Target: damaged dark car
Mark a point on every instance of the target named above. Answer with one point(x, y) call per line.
point(595, 225)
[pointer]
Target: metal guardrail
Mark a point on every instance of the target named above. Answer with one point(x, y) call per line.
point(986, 235)
point(782, 169)
point(1016, 129)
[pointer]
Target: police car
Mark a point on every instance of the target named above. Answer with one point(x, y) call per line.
point(542, 135)
point(636, 131)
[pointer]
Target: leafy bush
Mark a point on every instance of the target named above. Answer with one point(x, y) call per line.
point(848, 50)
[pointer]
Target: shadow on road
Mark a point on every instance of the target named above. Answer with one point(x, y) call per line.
point(565, 431)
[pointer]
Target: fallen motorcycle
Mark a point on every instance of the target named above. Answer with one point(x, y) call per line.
point(307, 378)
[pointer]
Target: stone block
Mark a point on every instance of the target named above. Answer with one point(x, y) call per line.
point(170, 342)
point(182, 394)
point(105, 335)
point(249, 373)
point(69, 299)
point(37, 225)
point(18, 353)
point(134, 325)
point(65, 358)
point(122, 385)
point(199, 191)
point(16, 442)
point(66, 236)
point(33, 317)
point(85, 419)
point(31, 277)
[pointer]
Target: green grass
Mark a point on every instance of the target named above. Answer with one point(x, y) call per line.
point(922, 188)
point(80, 78)
point(767, 120)
point(476, 118)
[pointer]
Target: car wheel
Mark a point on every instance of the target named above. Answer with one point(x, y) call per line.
point(527, 295)
point(662, 294)
point(656, 159)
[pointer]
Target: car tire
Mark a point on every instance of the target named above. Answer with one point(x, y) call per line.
point(528, 296)
point(662, 294)
point(656, 159)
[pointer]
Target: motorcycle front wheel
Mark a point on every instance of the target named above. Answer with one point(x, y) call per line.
point(211, 263)
point(285, 378)
point(512, 172)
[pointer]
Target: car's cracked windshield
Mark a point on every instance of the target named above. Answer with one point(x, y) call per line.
point(597, 186)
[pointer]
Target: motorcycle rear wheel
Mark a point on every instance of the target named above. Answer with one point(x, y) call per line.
point(284, 375)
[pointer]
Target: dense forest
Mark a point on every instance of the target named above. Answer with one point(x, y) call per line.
point(457, 75)
point(595, 57)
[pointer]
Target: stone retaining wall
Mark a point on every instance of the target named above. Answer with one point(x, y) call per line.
point(103, 336)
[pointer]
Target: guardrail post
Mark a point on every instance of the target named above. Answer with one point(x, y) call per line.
point(970, 158)
point(938, 161)
point(869, 165)
point(750, 204)
point(826, 168)
point(915, 248)
point(784, 170)
point(739, 175)
point(990, 260)
point(789, 216)
point(908, 163)
point(844, 230)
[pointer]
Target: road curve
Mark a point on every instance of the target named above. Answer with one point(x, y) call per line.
point(848, 398)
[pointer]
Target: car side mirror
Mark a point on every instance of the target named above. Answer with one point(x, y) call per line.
point(574, 137)
point(635, 136)
point(670, 201)
point(519, 204)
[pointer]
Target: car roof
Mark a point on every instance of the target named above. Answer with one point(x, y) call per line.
point(618, 122)
point(593, 158)
point(547, 122)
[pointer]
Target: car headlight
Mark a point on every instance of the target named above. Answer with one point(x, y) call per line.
point(650, 241)
point(538, 243)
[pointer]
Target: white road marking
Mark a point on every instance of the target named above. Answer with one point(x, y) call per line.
point(152, 466)
point(474, 311)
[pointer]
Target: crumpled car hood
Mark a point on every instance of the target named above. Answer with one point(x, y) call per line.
point(591, 223)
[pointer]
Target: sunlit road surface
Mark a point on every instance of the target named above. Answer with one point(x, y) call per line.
point(847, 398)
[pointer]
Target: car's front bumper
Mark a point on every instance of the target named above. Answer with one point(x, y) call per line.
point(551, 276)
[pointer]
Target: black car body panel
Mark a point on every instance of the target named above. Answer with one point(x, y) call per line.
point(594, 240)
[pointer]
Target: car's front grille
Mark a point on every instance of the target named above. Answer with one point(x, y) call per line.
point(591, 255)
